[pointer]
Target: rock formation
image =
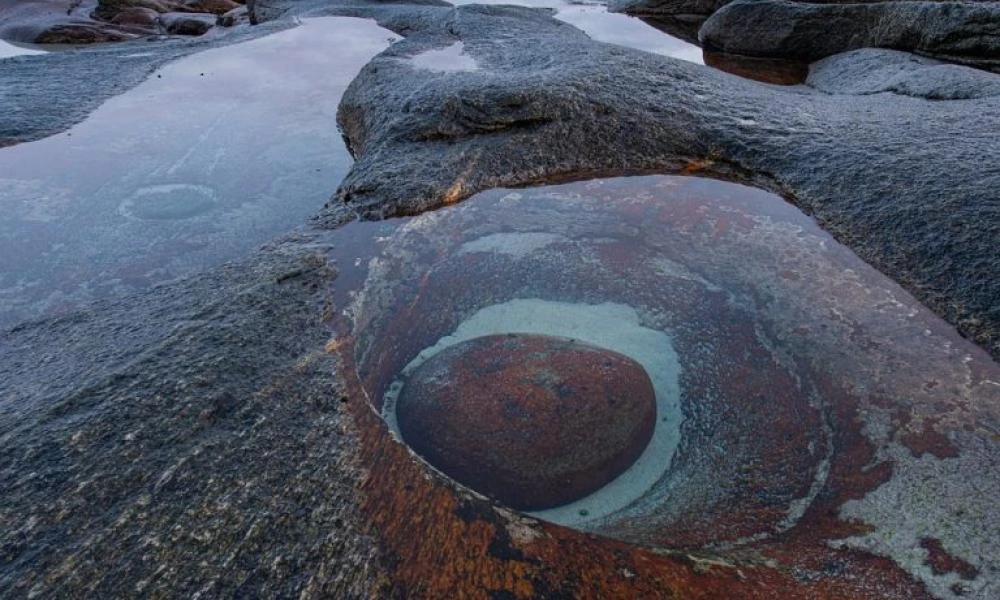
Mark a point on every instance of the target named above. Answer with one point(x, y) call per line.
point(898, 178)
point(532, 421)
point(220, 435)
point(74, 22)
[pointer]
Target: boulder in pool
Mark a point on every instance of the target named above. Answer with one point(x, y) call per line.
point(533, 421)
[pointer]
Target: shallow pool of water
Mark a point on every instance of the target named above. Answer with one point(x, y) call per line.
point(790, 370)
point(210, 157)
point(594, 19)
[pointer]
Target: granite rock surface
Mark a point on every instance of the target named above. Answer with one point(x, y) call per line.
point(198, 437)
point(898, 178)
point(99, 21)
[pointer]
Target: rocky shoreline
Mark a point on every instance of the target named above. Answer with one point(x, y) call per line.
point(204, 437)
point(99, 21)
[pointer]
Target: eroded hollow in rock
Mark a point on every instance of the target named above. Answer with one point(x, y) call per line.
point(532, 421)
point(803, 399)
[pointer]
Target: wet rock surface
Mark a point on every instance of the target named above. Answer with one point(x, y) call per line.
point(100, 21)
point(876, 71)
point(533, 421)
point(210, 436)
point(967, 32)
point(797, 443)
point(187, 23)
point(897, 178)
point(145, 419)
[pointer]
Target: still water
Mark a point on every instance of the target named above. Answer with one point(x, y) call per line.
point(784, 367)
point(210, 157)
point(594, 19)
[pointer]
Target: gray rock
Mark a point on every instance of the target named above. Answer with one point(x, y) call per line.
point(188, 23)
point(137, 16)
point(215, 7)
point(667, 7)
point(874, 71)
point(967, 32)
point(187, 440)
point(107, 9)
point(205, 410)
point(57, 22)
point(84, 32)
point(679, 18)
point(235, 17)
point(901, 180)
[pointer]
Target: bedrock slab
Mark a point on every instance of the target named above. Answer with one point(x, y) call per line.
point(899, 178)
point(876, 71)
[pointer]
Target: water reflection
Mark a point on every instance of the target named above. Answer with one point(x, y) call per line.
point(595, 20)
point(449, 59)
point(210, 157)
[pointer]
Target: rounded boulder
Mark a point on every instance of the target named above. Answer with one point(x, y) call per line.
point(533, 421)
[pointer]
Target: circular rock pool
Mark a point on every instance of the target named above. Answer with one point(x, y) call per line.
point(803, 401)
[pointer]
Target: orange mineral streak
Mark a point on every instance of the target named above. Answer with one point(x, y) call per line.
point(697, 165)
point(439, 541)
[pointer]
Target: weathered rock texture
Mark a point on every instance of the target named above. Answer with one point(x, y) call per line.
point(899, 179)
point(183, 440)
point(829, 419)
point(874, 71)
point(193, 439)
point(967, 32)
point(533, 421)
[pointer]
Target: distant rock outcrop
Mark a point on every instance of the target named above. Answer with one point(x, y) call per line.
point(69, 22)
